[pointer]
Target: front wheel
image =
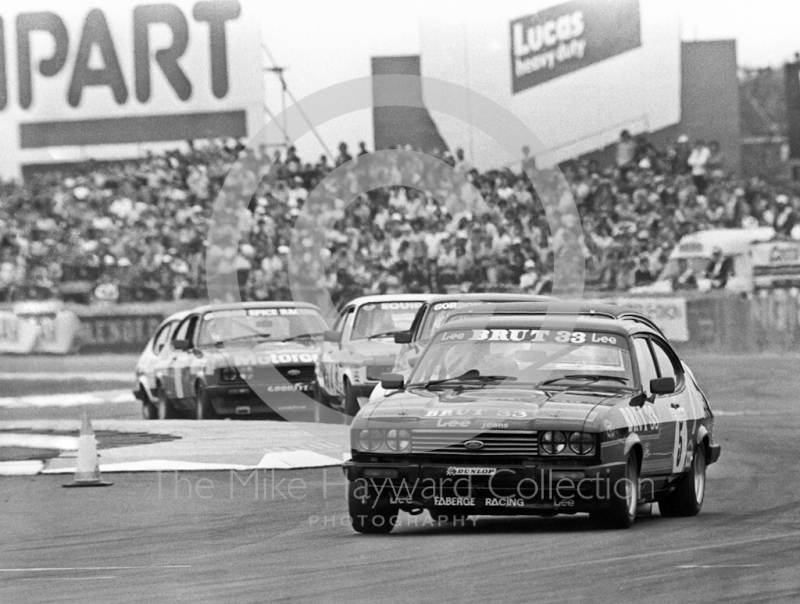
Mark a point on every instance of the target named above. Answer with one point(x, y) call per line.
point(687, 498)
point(351, 406)
point(149, 410)
point(203, 409)
point(624, 500)
point(370, 516)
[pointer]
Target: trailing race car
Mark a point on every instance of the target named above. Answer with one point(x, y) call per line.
point(361, 347)
point(255, 358)
point(430, 317)
point(537, 415)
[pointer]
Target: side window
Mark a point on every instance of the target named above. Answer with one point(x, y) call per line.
point(342, 318)
point(647, 365)
point(162, 337)
point(666, 367)
point(347, 324)
point(185, 330)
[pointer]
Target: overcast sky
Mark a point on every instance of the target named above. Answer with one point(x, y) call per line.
point(767, 31)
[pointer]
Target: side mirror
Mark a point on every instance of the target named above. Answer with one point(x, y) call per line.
point(412, 361)
point(402, 337)
point(392, 381)
point(332, 336)
point(664, 385)
point(182, 345)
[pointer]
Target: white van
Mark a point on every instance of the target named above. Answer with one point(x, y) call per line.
point(698, 248)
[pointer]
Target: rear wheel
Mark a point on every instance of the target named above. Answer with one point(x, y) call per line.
point(687, 498)
point(164, 407)
point(351, 406)
point(203, 409)
point(624, 500)
point(370, 516)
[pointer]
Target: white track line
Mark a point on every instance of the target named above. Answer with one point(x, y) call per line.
point(48, 569)
point(42, 376)
point(39, 441)
point(75, 399)
point(684, 550)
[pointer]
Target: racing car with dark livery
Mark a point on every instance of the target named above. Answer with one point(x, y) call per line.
point(558, 413)
point(255, 358)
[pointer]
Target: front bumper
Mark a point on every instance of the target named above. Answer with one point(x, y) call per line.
point(286, 400)
point(524, 487)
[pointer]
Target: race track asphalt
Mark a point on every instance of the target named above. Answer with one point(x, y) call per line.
point(213, 537)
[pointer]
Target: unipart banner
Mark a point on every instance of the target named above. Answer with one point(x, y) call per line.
point(84, 79)
point(564, 38)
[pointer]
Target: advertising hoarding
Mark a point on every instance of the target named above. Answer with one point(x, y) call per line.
point(83, 80)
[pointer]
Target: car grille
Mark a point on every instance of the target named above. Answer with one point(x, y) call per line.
point(270, 374)
point(451, 442)
point(299, 373)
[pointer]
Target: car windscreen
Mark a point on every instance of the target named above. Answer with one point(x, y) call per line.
point(383, 319)
point(527, 357)
point(264, 324)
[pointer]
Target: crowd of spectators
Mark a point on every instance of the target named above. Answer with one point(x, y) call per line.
point(140, 229)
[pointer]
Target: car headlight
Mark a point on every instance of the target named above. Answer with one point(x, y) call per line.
point(229, 374)
point(553, 442)
point(370, 440)
point(581, 443)
point(398, 440)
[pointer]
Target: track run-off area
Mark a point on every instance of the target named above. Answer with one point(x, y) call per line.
point(259, 535)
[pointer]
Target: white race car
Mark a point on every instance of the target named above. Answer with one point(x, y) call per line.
point(361, 347)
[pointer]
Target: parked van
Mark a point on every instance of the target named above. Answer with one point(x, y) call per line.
point(696, 251)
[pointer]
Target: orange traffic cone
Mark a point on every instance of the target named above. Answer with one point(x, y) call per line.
point(87, 472)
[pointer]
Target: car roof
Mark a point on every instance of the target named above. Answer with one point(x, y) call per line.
point(389, 298)
point(556, 308)
point(574, 323)
point(488, 297)
point(240, 306)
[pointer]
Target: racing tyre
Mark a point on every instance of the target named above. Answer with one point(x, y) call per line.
point(368, 516)
point(164, 408)
point(351, 406)
point(203, 409)
point(624, 500)
point(149, 410)
point(687, 498)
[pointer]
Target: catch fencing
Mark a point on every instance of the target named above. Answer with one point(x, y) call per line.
point(767, 321)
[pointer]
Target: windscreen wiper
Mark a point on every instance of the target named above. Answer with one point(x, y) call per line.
point(585, 376)
point(220, 343)
point(384, 334)
point(469, 376)
point(310, 334)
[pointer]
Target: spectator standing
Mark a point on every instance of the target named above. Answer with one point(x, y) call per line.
point(698, 160)
point(720, 269)
point(680, 156)
point(785, 216)
point(344, 155)
point(626, 153)
point(685, 279)
point(643, 275)
point(528, 161)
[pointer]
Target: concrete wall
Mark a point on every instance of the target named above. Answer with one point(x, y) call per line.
point(710, 96)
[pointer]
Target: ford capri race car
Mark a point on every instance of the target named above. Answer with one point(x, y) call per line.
point(256, 358)
point(361, 347)
point(536, 415)
point(430, 317)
